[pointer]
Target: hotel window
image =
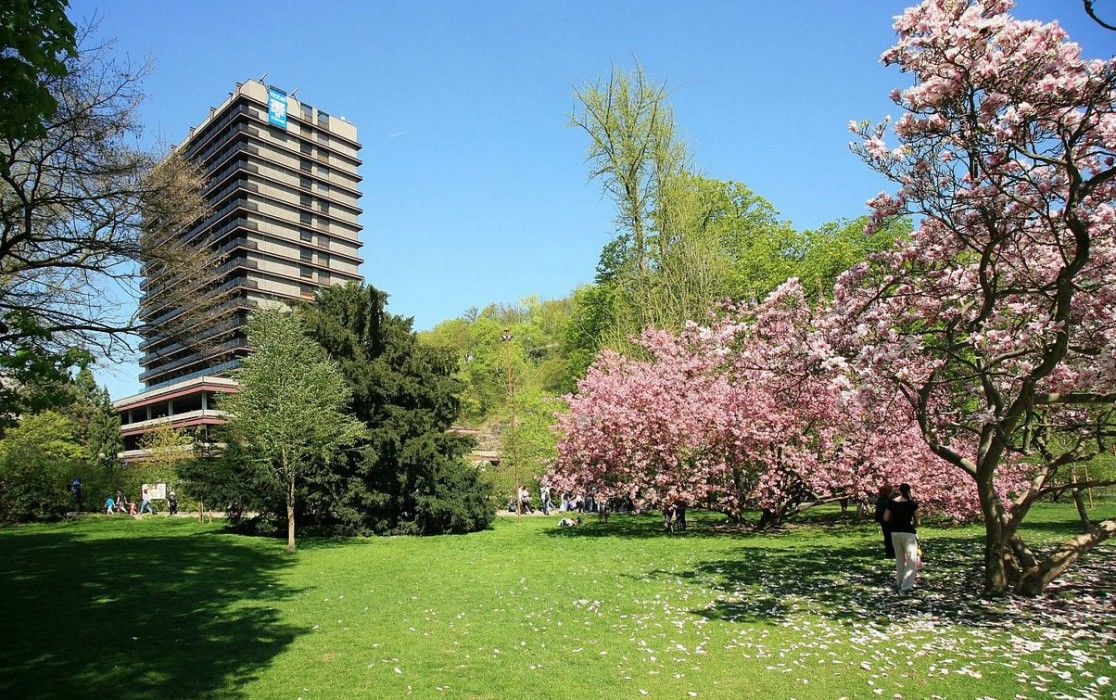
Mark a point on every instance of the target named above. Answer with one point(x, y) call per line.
point(323, 278)
point(323, 154)
point(323, 171)
point(305, 254)
point(323, 259)
point(306, 271)
point(305, 147)
point(304, 165)
point(306, 291)
point(305, 183)
point(323, 119)
point(306, 200)
point(307, 112)
point(323, 187)
point(323, 242)
point(323, 207)
point(305, 219)
point(305, 235)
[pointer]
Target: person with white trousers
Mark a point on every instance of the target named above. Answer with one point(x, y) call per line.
point(902, 515)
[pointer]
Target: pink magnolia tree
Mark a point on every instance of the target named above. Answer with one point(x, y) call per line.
point(997, 320)
point(757, 410)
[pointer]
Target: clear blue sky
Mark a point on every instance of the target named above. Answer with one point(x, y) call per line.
point(475, 189)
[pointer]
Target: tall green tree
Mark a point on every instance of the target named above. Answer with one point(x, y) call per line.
point(409, 475)
point(634, 150)
point(291, 406)
point(96, 424)
point(530, 443)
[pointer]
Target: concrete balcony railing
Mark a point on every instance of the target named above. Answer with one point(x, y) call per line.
point(143, 426)
point(193, 359)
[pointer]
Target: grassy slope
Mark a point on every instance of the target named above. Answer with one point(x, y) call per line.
point(174, 608)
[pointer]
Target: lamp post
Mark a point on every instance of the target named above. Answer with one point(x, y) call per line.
point(505, 339)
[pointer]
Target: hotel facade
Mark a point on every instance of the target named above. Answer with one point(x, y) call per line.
point(282, 190)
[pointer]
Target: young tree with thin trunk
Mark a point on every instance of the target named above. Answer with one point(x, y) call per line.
point(291, 406)
point(997, 320)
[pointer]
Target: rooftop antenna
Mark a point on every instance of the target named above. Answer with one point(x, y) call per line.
point(262, 78)
point(294, 92)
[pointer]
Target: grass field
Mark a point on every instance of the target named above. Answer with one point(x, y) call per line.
point(172, 608)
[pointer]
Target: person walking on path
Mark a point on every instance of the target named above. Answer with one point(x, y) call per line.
point(525, 500)
point(145, 503)
point(110, 506)
point(883, 500)
point(121, 502)
point(902, 514)
point(172, 502)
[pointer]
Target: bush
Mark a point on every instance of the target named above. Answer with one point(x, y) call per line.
point(35, 458)
point(32, 487)
point(229, 480)
point(453, 499)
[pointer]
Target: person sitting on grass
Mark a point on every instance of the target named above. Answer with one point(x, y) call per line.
point(132, 510)
point(569, 522)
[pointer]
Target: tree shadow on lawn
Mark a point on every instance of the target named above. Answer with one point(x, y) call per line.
point(853, 582)
point(701, 523)
point(137, 616)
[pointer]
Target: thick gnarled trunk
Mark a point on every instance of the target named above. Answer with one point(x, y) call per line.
point(1037, 577)
point(1009, 564)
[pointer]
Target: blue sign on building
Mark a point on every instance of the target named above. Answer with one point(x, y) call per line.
point(277, 108)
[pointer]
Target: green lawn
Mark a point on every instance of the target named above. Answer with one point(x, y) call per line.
point(171, 608)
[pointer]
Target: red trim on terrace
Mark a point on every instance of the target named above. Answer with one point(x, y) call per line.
point(199, 389)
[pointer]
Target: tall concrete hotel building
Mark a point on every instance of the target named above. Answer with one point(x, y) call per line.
point(282, 190)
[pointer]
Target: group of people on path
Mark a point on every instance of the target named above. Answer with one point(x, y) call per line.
point(898, 516)
point(121, 504)
point(570, 503)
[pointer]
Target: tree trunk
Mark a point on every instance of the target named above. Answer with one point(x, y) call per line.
point(290, 516)
point(996, 550)
point(1083, 514)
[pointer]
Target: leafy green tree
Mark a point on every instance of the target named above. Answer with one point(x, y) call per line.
point(36, 39)
point(36, 458)
point(96, 424)
point(838, 245)
point(290, 409)
point(36, 378)
point(408, 475)
point(530, 443)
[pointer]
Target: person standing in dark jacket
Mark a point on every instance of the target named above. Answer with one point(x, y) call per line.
point(883, 500)
point(902, 514)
